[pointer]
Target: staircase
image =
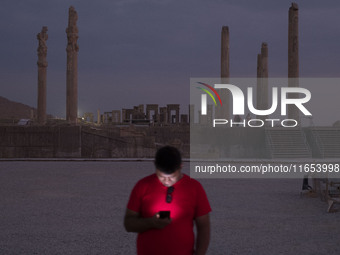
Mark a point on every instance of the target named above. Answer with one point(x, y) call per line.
point(328, 141)
point(287, 143)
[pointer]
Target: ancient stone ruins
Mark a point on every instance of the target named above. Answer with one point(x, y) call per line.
point(161, 115)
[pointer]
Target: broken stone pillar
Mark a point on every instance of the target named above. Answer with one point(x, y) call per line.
point(98, 116)
point(116, 116)
point(225, 52)
point(262, 80)
point(293, 58)
point(42, 66)
point(163, 115)
point(173, 119)
point(259, 67)
point(258, 82)
point(264, 60)
point(155, 117)
point(222, 112)
point(72, 67)
point(184, 119)
point(192, 113)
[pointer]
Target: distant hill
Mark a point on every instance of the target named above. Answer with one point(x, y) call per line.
point(13, 110)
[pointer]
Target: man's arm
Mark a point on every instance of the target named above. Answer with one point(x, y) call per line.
point(134, 223)
point(203, 234)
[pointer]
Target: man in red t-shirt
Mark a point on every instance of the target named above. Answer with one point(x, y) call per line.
point(168, 190)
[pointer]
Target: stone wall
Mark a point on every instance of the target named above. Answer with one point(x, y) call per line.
point(135, 141)
point(39, 141)
point(110, 145)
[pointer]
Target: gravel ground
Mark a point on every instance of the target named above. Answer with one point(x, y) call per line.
point(77, 208)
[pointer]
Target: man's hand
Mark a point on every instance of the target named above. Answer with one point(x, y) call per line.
point(160, 223)
point(203, 234)
point(134, 223)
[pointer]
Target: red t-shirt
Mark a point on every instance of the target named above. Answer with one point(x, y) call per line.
point(189, 201)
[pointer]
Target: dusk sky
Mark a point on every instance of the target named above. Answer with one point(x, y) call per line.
point(145, 51)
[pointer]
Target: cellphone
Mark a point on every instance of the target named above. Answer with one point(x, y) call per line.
point(164, 214)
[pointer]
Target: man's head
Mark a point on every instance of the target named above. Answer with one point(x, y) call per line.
point(168, 162)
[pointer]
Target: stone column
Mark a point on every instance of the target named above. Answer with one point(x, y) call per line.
point(173, 107)
point(72, 67)
point(259, 83)
point(262, 80)
point(264, 60)
point(259, 67)
point(225, 52)
point(223, 112)
point(293, 57)
point(98, 116)
point(191, 113)
point(42, 66)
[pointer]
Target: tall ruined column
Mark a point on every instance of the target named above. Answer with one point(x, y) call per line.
point(42, 66)
point(293, 57)
point(259, 67)
point(264, 62)
point(72, 67)
point(262, 80)
point(223, 112)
